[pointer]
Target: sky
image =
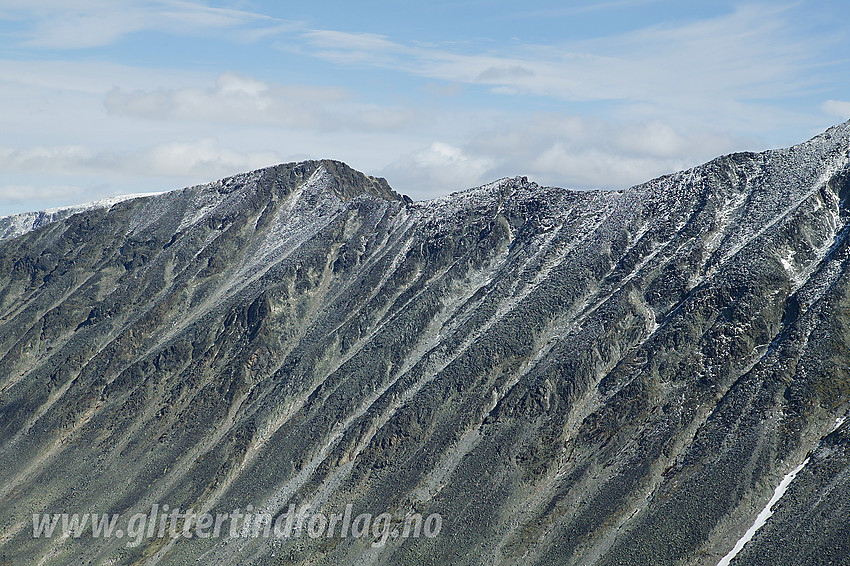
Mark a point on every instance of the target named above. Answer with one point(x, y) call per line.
point(110, 97)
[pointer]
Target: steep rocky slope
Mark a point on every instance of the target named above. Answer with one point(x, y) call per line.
point(565, 377)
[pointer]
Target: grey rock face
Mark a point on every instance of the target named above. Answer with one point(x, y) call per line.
point(564, 377)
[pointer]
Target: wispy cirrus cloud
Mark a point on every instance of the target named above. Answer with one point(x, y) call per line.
point(719, 66)
point(54, 24)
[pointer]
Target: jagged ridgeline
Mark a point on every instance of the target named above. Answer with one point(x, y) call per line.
point(565, 377)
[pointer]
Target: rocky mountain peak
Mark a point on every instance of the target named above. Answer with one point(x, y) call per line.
point(251, 189)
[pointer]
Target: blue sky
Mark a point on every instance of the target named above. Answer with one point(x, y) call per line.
point(108, 97)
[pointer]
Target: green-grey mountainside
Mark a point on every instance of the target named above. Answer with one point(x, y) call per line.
point(612, 378)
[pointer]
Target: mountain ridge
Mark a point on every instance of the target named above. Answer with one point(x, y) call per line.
point(632, 372)
point(349, 184)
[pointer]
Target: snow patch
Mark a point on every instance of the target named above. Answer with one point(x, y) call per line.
point(765, 514)
point(786, 262)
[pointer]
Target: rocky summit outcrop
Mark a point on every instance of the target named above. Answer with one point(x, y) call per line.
point(564, 377)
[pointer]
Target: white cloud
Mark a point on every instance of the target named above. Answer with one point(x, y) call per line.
point(24, 193)
point(592, 153)
point(41, 158)
point(652, 139)
point(437, 169)
point(201, 158)
point(237, 99)
point(592, 167)
point(204, 158)
point(561, 150)
point(840, 108)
